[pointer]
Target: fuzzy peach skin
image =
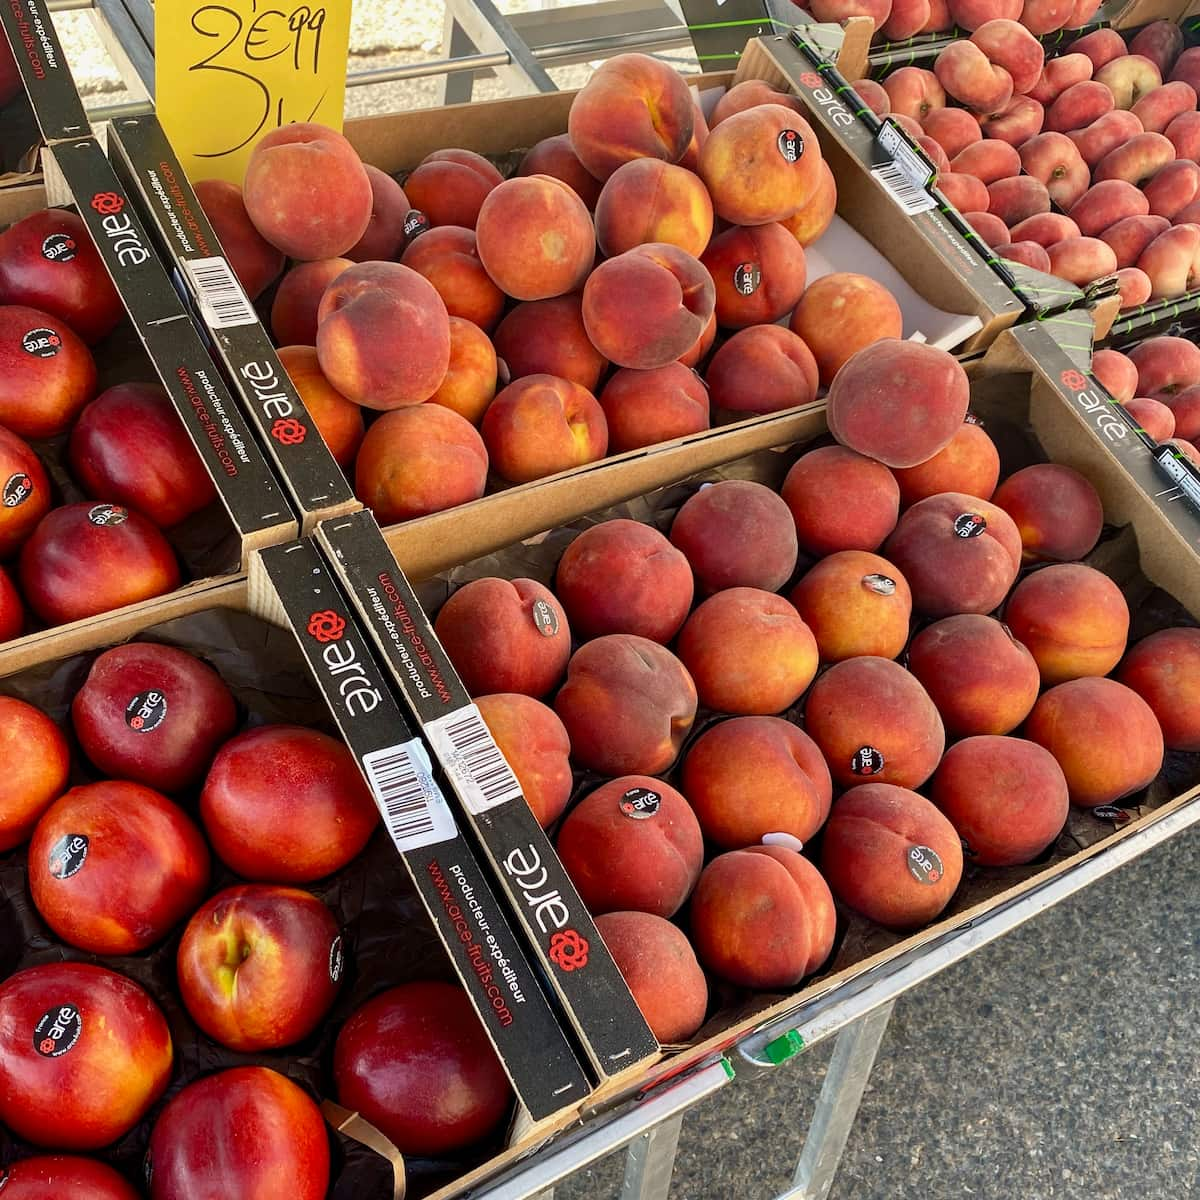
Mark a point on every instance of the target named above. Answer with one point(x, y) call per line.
point(1129, 78)
point(470, 382)
point(338, 420)
point(535, 237)
point(643, 408)
point(736, 533)
point(448, 257)
point(1078, 106)
point(856, 604)
point(1128, 237)
point(534, 743)
point(1184, 134)
point(807, 224)
point(1016, 199)
point(556, 157)
point(384, 237)
point(873, 720)
point(953, 128)
point(1161, 42)
point(541, 425)
point(964, 192)
point(914, 92)
point(841, 313)
point(419, 460)
point(969, 463)
point(648, 200)
point(1151, 415)
point(626, 858)
point(383, 336)
point(505, 636)
point(765, 368)
point(1008, 44)
point(1173, 189)
point(1054, 160)
point(632, 107)
point(758, 274)
point(971, 78)
point(970, 14)
point(298, 297)
point(627, 705)
point(761, 165)
point(306, 191)
point(1117, 372)
point(1172, 262)
point(1123, 751)
point(1016, 122)
point(1162, 669)
point(1104, 204)
point(254, 260)
point(1136, 160)
point(990, 228)
point(1114, 129)
point(988, 159)
point(547, 337)
point(1073, 619)
point(1028, 253)
point(982, 680)
point(1159, 107)
point(1081, 260)
point(1056, 510)
point(840, 500)
point(898, 402)
point(890, 855)
point(762, 918)
point(622, 576)
point(1165, 365)
point(1058, 74)
point(450, 186)
point(648, 306)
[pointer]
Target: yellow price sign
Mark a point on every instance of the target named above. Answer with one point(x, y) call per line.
point(228, 73)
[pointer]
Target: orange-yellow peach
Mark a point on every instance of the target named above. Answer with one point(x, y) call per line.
point(840, 500)
point(534, 743)
point(1056, 510)
point(450, 186)
point(954, 129)
point(968, 464)
point(339, 422)
point(808, 223)
point(648, 200)
point(643, 408)
point(841, 313)
point(547, 337)
point(556, 157)
point(1164, 669)
point(470, 381)
point(765, 368)
point(915, 92)
point(749, 94)
point(448, 257)
point(758, 274)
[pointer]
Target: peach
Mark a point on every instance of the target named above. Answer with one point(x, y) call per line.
point(1123, 749)
point(1165, 365)
point(914, 92)
point(632, 845)
point(1187, 67)
point(306, 191)
point(632, 107)
point(841, 10)
point(840, 500)
point(873, 95)
point(47, 373)
point(749, 652)
point(1045, 229)
point(1184, 449)
point(1161, 42)
point(750, 94)
point(648, 200)
point(339, 422)
point(808, 223)
point(856, 604)
point(898, 402)
point(870, 717)
point(971, 14)
point(890, 855)
point(1184, 407)
point(1079, 106)
point(1159, 107)
point(1151, 416)
point(254, 260)
point(935, 153)
point(1013, 200)
point(659, 967)
point(981, 679)
point(450, 186)
point(964, 192)
point(1006, 798)
point(1173, 188)
point(555, 156)
point(765, 368)
point(1161, 669)
point(1029, 254)
point(1172, 261)
point(910, 125)
point(547, 337)
point(1016, 122)
point(1131, 235)
point(960, 554)
point(1117, 372)
point(1104, 205)
point(1101, 46)
point(505, 636)
point(1053, 159)
point(383, 336)
point(1189, 214)
point(1058, 74)
point(1129, 78)
point(643, 408)
point(298, 297)
point(1013, 47)
point(419, 460)
point(470, 382)
point(988, 159)
point(534, 743)
point(647, 307)
point(26, 486)
point(906, 18)
point(967, 74)
point(758, 274)
point(535, 238)
point(39, 765)
point(540, 425)
point(953, 128)
point(969, 463)
point(627, 705)
point(762, 917)
point(736, 533)
point(1046, 16)
point(1184, 134)
point(448, 257)
point(385, 235)
point(1098, 140)
point(761, 165)
point(1081, 260)
point(1133, 289)
point(990, 229)
point(1073, 619)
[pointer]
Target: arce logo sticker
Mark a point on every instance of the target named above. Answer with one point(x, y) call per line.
point(68, 855)
point(107, 514)
point(59, 247)
point(969, 525)
point(569, 950)
point(791, 145)
point(866, 760)
point(146, 711)
point(326, 626)
point(57, 1031)
point(924, 864)
point(288, 431)
point(746, 277)
point(17, 489)
point(108, 204)
point(42, 342)
point(337, 960)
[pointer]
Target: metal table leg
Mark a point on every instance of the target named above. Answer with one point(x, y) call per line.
point(837, 1106)
point(478, 25)
point(650, 1162)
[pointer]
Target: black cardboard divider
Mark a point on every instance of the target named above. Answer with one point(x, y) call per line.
point(533, 880)
point(44, 70)
point(457, 895)
point(147, 165)
point(78, 172)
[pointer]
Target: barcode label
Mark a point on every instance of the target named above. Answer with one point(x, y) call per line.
point(911, 197)
point(466, 749)
point(222, 302)
point(1176, 470)
point(412, 804)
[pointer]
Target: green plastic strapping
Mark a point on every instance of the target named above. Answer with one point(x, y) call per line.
point(782, 1048)
point(727, 1067)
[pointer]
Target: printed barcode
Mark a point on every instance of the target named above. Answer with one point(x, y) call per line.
point(908, 195)
point(222, 302)
point(466, 749)
point(412, 804)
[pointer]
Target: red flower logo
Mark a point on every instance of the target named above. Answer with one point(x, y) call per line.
point(810, 79)
point(326, 626)
point(47, 1046)
point(108, 203)
point(1075, 380)
point(569, 950)
point(289, 431)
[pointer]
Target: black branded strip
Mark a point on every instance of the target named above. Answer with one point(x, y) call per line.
point(553, 916)
point(44, 70)
point(150, 169)
point(244, 480)
point(469, 918)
